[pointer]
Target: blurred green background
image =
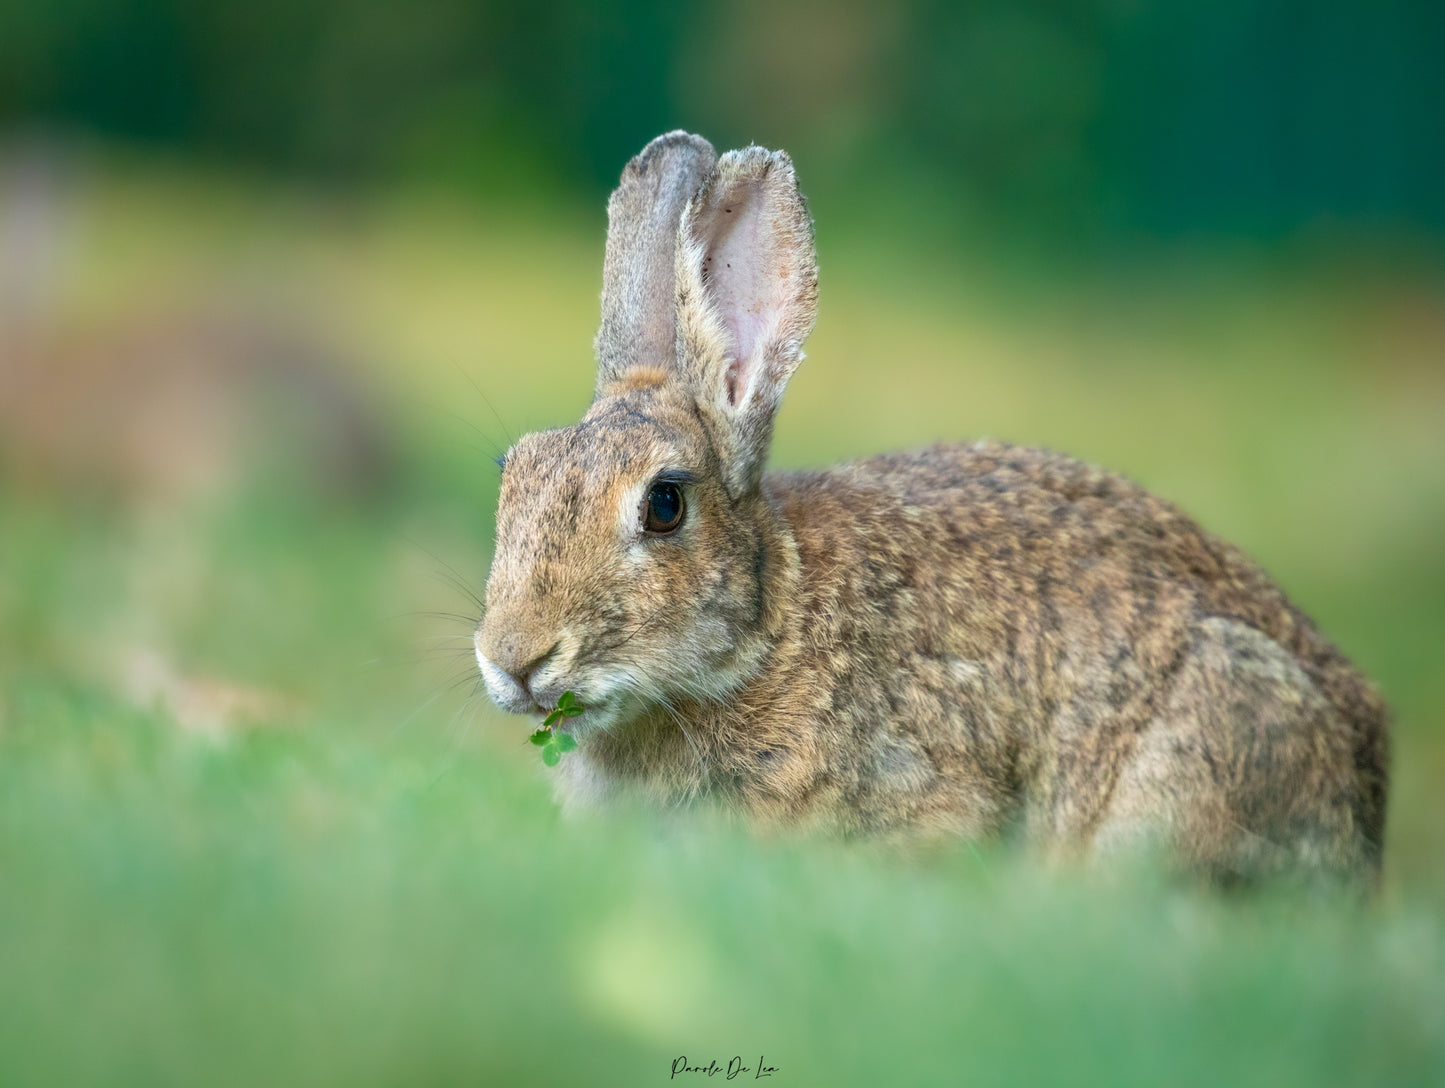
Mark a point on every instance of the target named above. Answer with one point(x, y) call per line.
point(278, 280)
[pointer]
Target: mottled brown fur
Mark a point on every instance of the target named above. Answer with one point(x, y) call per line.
point(956, 641)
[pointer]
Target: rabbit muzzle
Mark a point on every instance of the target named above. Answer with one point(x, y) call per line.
point(522, 674)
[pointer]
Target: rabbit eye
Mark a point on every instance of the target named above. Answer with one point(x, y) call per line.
point(665, 508)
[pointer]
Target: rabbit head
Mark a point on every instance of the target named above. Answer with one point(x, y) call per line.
point(636, 561)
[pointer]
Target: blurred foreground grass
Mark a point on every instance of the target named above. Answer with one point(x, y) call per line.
point(249, 835)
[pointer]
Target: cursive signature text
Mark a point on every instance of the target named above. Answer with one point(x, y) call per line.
point(733, 1069)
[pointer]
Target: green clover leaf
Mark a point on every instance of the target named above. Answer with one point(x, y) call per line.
point(548, 738)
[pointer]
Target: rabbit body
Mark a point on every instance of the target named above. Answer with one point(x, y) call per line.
point(962, 640)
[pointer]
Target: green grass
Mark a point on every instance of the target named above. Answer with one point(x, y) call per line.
point(369, 883)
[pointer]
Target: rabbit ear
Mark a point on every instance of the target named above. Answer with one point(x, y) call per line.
point(639, 277)
point(747, 297)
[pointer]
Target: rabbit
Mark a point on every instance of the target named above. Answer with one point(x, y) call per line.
point(964, 641)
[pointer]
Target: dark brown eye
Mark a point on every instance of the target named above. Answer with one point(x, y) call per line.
point(664, 509)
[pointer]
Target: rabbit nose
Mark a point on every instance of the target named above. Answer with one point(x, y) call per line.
point(516, 663)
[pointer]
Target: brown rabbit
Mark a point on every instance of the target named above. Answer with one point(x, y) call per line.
point(949, 642)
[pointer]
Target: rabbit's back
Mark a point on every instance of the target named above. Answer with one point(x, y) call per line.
point(1052, 645)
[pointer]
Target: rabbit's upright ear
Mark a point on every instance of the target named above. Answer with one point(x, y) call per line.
point(639, 278)
point(747, 294)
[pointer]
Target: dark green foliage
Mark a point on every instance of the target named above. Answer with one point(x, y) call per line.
point(1069, 120)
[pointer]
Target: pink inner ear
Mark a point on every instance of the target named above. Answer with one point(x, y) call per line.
point(743, 278)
